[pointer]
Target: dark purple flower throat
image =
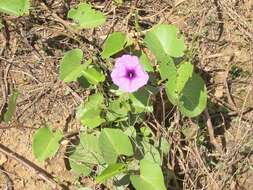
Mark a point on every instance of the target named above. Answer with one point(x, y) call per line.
point(130, 73)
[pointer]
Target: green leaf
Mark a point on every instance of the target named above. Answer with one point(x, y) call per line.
point(70, 66)
point(151, 153)
point(95, 100)
point(77, 162)
point(15, 7)
point(92, 118)
point(141, 101)
point(192, 91)
point(46, 143)
point(151, 177)
point(110, 171)
point(93, 75)
point(11, 106)
point(146, 132)
point(113, 143)
point(146, 62)
point(185, 72)
point(163, 41)
point(90, 112)
point(168, 71)
point(86, 155)
point(90, 142)
point(117, 109)
point(86, 17)
point(130, 131)
point(115, 42)
point(184, 88)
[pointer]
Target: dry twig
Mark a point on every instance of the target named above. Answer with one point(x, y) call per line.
point(211, 131)
point(4, 87)
point(230, 99)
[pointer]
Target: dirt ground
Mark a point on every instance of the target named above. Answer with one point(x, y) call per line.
point(220, 35)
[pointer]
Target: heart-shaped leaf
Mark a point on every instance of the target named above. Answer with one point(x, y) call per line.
point(150, 178)
point(86, 155)
point(46, 143)
point(113, 143)
point(192, 91)
point(93, 75)
point(115, 42)
point(86, 17)
point(164, 40)
point(79, 161)
point(184, 88)
point(70, 66)
point(90, 112)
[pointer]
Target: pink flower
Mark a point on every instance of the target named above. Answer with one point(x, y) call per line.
point(128, 74)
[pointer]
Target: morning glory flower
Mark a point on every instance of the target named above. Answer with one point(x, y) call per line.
point(128, 73)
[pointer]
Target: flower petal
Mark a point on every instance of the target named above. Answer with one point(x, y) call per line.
point(139, 82)
point(119, 77)
point(124, 84)
point(127, 61)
